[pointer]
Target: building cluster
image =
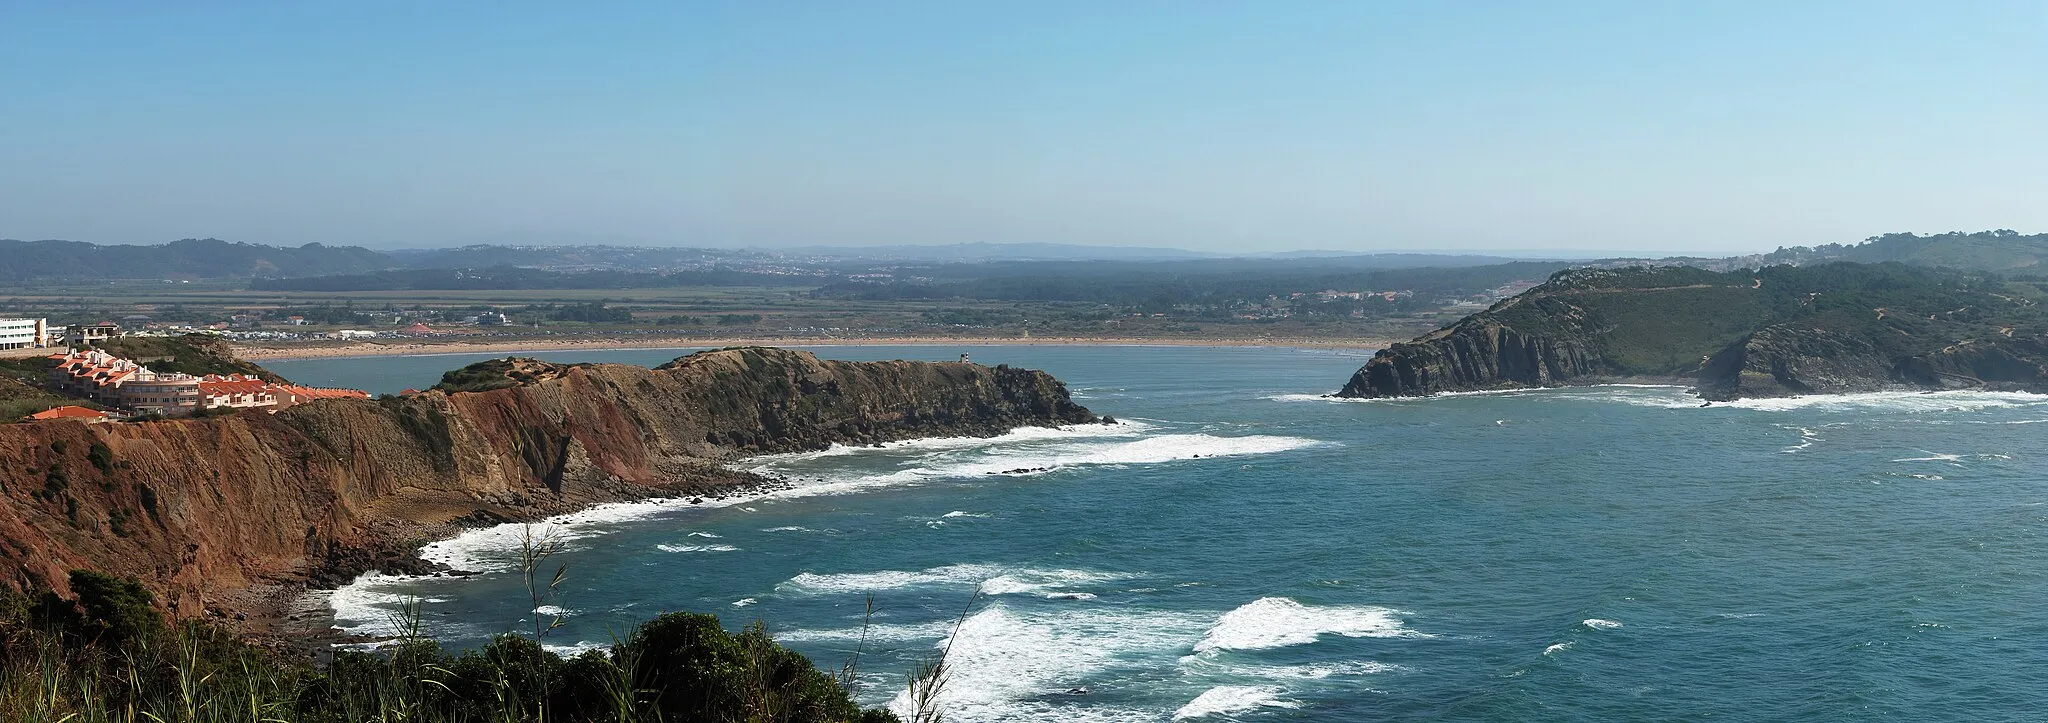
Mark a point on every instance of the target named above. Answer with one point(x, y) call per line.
point(122, 383)
point(24, 333)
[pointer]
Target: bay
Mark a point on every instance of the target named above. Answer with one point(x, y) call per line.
point(1243, 549)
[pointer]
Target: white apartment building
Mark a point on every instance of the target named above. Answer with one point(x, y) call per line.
point(24, 333)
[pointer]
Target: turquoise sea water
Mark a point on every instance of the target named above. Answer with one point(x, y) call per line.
point(1241, 549)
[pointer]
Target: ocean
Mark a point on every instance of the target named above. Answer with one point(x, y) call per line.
point(1241, 548)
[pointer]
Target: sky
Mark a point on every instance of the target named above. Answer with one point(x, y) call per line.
point(1216, 125)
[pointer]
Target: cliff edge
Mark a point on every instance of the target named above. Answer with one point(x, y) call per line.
point(1777, 331)
point(206, 510)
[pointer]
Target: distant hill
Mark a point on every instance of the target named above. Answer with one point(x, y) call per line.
point(987, 252)
point(2001, 250)
point(508, 277)
point(1169, 286)
point(563, 258)
point(568, 257)
point(48, 261)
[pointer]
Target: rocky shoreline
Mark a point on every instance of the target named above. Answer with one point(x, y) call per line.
point(302, 619)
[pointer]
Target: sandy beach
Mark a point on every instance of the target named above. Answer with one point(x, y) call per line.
point(316, 350)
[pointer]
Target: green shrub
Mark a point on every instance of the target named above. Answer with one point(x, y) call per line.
point(107, 656)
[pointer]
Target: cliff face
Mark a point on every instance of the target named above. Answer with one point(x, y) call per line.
point(1787, 360)
point(1781, 361)
point(1774, 332)
point(1482, 352)
point(203, 508)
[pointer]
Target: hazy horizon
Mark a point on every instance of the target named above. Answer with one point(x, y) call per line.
point(1597, 128)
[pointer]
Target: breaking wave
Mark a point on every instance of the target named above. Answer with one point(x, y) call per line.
point(987, 579)
point(1232, 699)
point(1003, 663)
point(1277, 622)
point(696, 548)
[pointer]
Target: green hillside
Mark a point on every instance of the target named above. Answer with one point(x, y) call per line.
point(49, 261)
point(2001, 250)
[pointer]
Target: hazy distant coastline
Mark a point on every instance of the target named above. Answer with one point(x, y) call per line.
point(318, 351)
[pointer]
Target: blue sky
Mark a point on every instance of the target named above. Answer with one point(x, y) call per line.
point(1216, 125)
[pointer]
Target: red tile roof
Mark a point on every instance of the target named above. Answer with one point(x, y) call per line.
point(216, 387)
point(68, 412)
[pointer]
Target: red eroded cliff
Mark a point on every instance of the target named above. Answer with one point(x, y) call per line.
point(203, 509)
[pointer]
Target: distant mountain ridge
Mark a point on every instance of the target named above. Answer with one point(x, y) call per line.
point(2001, 251)
point(47, 261)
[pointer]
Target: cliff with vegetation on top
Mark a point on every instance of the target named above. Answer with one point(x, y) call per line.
point(201, 510)
point(1776, 331)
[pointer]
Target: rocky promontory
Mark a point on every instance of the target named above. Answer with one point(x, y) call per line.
point(1777, 331)
point(213, 512)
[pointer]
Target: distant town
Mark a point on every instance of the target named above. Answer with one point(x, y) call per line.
point(116, 387)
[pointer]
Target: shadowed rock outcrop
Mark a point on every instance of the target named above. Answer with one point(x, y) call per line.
point(1480, 352)
point(202, 509)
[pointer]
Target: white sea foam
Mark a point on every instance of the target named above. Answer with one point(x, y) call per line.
point(495, 549)
point(1023, 460)
point(1334, 399)
point(1806, 439)
point(574, 649)
point(705, 535)
point(858, 582)
point(743, 602)
point(988, 579)
point(787, 528)
point(1307, 398)
point(957, 513)
point(1047, 583)
point(368, 605)
point(1330, 670)
point(1003, 663)
point(1932, 457)
point(1122, 428)
point(1276, 622)
point(1557, 648)
point(878, 632)
point(1232, 699)
point(364, 607)
point(553, 611)
point(1214, 666)
point(1907, 402)
point(696, 548)
point(1599, 624)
